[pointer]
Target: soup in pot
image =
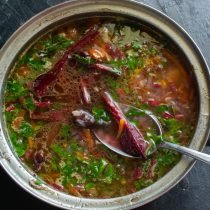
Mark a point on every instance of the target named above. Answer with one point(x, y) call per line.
point(71, 82)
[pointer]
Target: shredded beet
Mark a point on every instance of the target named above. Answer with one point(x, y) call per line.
point(56, 186)
point(131, 140)
point(113, 107)
point(85, 94)
point(114, 51)
point(153, 102)
point(137, 173)
point(43, 104)
point(29, 154)
point(167, 115)
point(106, 68)
point(10, 108)
point(44, 81)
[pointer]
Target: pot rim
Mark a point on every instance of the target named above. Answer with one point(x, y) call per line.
point(11, 163)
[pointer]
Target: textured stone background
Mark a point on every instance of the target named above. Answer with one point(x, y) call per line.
point(193, 192)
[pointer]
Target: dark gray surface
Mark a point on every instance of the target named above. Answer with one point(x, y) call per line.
point(193, 192)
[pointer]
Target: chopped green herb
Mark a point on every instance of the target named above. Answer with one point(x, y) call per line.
point(112, 83)
point(30, 105)
point(33, 62)
point(157, 139)
point(38, 182)
point(93, 170)
point(10, 115)
point(35, 58)
point(54, 163)
point(89, 185)
point(60, 151)
point(167, 158)
point(135, 122)
point(100, 114)
point(132, 112)
point(142, 183)
point(54, 44)
point(109, 174)
point(136, 45)
point(26, 130)
point(102, 164)
point(65, 131)
point(83, 60)
point(134, 62)
point(153, 51)
point(74, 146)
point(131, 62)
point(163, 108)
point(36, 65)
point(18, 143)
point(15, 90)
point(172, 125)
point(24, 59)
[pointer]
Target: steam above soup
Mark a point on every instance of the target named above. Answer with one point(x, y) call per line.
point(72, 80)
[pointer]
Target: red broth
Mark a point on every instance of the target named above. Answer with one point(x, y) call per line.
point(50, 118)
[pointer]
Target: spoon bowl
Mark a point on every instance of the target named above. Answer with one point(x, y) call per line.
point(163, 144)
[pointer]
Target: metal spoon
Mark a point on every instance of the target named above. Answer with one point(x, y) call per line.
point(164, 144)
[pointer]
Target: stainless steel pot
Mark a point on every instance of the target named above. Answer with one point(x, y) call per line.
point(51, 17)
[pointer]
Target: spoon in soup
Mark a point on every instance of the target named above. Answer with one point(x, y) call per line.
point(114, 144)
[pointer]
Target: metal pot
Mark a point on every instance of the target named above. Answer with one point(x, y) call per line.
point(54, 16)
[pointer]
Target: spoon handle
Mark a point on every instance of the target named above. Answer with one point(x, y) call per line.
point(187, 151)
